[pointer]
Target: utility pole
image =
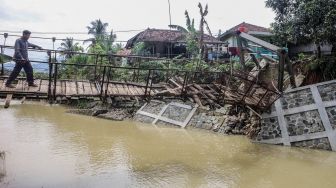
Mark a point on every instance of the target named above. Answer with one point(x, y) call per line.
point(170, 43)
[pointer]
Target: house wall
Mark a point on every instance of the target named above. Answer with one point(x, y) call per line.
point(232, 41)
point(309, 48)
point(303, 117)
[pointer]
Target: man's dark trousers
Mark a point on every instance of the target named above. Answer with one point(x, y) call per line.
point(17, 69)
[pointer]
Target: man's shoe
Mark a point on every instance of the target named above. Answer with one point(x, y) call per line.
point(10, 86)
point(32, 85)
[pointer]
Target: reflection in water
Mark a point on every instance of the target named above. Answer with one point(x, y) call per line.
point(47, 147)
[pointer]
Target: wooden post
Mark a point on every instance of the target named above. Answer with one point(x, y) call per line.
point(255, 60)
point(147, 82)
point(2, 63)
point(8, 100)
point(95, 68)
point(55, 81)
point(50, 77)
point(108, 82)
point(290, 71)
point(102, 83)
point(281, 70)
point(241, 51)
point(184, 84)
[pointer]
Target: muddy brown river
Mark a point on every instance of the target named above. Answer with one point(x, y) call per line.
point(46, 147)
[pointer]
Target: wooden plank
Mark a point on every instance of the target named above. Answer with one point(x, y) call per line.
point(135, 91)
point(32, 89)
point(23, 100)
point(259, 42)
point(19, 86)
point(8, 100)
point(140, 90)
point(94, 88)
point(112, 89)
point(116, 89)
point(71, 88)
point(1, 83)
point(130, 90)
point(44, 86)
point(3, 87)
point(126, 89)
point(59, 87)
point(87, 88)
point(121, 89)
point(80, 87)
point(64, 88)
point(67, 88)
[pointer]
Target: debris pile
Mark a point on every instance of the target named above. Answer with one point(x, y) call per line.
point(226, 88)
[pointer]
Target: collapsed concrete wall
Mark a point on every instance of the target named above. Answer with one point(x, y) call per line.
point(303, 117)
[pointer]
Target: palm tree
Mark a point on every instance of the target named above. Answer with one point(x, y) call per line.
point(108, 42)
point(69, 47)
point(97, 29)
point(191, 34)
point(189, 23)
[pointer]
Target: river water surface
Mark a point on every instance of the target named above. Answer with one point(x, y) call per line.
point(47, 147)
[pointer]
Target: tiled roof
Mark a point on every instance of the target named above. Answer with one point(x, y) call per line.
point(250, 27)
point(164, 35)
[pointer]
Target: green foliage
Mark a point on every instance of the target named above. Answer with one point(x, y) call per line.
point(302, 56)
point(73, 71)
point(105, 40)
point(305, 20)
point(140, 48)
point(98, 29)
point(325, 66)
point(68, 46)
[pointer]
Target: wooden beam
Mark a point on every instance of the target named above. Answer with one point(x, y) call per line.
point(8, 100)
point(281, 71)
point(290, 71)
point(260, 42)
point(241, 52)
point(23, 100)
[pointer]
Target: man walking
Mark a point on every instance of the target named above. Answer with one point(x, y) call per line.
point(22, 61)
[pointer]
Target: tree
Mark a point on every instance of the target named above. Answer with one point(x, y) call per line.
point(194, 38)
point(68, 46)
point(305, 20)
point(191, 34)
point(201, 27)
point(97, 29)
point(108, 41)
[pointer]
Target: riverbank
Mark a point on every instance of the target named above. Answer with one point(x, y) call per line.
point(228, 120)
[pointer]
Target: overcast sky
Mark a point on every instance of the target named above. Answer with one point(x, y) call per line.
point(75, 15)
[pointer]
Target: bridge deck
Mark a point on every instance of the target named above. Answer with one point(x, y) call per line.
point(73, 88)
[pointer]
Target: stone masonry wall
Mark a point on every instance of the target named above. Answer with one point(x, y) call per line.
point(297, 98)
point(303, 117)
point(320, 143)
point(270, 129)
point(328, 92)
point(304, 123)
point(332, 116)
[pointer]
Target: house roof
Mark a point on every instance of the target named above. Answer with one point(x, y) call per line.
point(252, 30)
point(250, 27)
point(164, 35)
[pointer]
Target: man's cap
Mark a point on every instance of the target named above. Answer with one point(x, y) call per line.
point(26, 32)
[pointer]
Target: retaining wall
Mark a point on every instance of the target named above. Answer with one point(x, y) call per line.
point(303, 117)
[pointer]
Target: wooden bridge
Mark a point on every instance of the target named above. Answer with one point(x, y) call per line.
point(73, 88)
point(104, 81)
